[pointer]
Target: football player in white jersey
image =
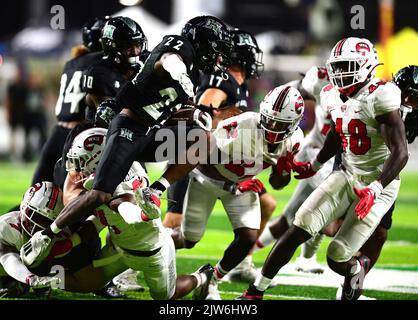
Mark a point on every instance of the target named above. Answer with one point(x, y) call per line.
point(310, 87)
point(369, 128)
point(252, 142)
point(41, 204)
point(136, 241)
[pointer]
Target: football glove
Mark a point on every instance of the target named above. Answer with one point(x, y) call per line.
point(42, 282)
point(33, 252)
point(367, 196)
point(306, 169)
point(284, 164)
point(202, 119)
point(250, 185)
point(186, 84)
point(105, 114)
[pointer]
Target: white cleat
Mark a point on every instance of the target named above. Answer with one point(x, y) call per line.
point(213, 292)
point(127, 281)
point(308, 265)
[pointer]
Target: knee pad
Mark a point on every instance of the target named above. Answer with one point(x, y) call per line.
point(306, 221)
point(338, 251)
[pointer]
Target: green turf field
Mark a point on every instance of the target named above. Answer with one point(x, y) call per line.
point(400, 252)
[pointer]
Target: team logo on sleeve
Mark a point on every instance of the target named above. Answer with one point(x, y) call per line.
point(126, 133)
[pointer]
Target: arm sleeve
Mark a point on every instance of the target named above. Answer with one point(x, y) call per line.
point(14, 266)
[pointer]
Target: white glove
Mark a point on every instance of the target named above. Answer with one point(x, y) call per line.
point(131, 213)
point(42, 282)
point(202, 119)
point(36, 249)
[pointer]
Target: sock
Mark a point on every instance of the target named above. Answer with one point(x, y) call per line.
point(310, 247)
point(264, 239)
point(262, 282)
point(161, 184)
point(200, 277)
point(219, 272)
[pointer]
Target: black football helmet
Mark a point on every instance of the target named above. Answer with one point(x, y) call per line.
point(92, 32)
point(211, 40)
point(246, 53)
point(119, 36)
point(407, 80)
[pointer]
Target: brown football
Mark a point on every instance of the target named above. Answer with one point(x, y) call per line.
point(184, 114)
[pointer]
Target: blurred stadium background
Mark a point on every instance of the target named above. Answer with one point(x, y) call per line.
point(294, 35)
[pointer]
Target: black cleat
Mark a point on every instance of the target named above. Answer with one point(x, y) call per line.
point(202, 292)
point(353, 285)
point(251, 294)
point(110, 291)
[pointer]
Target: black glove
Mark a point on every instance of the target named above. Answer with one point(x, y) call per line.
point(105, 114)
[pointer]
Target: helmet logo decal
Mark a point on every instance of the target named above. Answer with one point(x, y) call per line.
point(91, 141)
point(245, 39)
point(278, 104)
point(108, 31)
point(363, 48)
point(299, 105)
point(214, 25)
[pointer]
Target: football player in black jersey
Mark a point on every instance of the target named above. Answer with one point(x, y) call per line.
point(70, 107)
point(227, 97)
point(124, 45)
point(143, 105)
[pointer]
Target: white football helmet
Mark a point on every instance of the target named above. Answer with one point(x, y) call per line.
point(86, 151)
point(40, 206)
point(281, 111)
point(352, 61)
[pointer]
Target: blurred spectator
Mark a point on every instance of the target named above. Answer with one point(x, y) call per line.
point(35, 101)
point(17, 112)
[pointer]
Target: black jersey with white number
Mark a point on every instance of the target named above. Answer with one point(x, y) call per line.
point(71, 103)
point(237, 95)
point(151, 96)
point(104, 78)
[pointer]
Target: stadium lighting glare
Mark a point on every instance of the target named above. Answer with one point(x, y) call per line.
point(129, 3)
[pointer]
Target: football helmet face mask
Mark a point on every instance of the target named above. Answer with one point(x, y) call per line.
point(92, 33)
point(351, 63)
point(41, 204)
point(123, 40)
point(86, 151)
point(246, 53)
point(280, 113)
point(211, 40)
point(407, 80)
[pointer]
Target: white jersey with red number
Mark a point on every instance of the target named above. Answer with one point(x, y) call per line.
point(355, 121)
point(241, 138)
point(144, 236)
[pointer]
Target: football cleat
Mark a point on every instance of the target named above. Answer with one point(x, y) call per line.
point(244, 272)
point(213, 292)
point(353, 285)
point(251, 294)
point(127, 281)
point(202, 292)
point(148, 200)
point(308, 265)
point(339, 295)
point(110, 291)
